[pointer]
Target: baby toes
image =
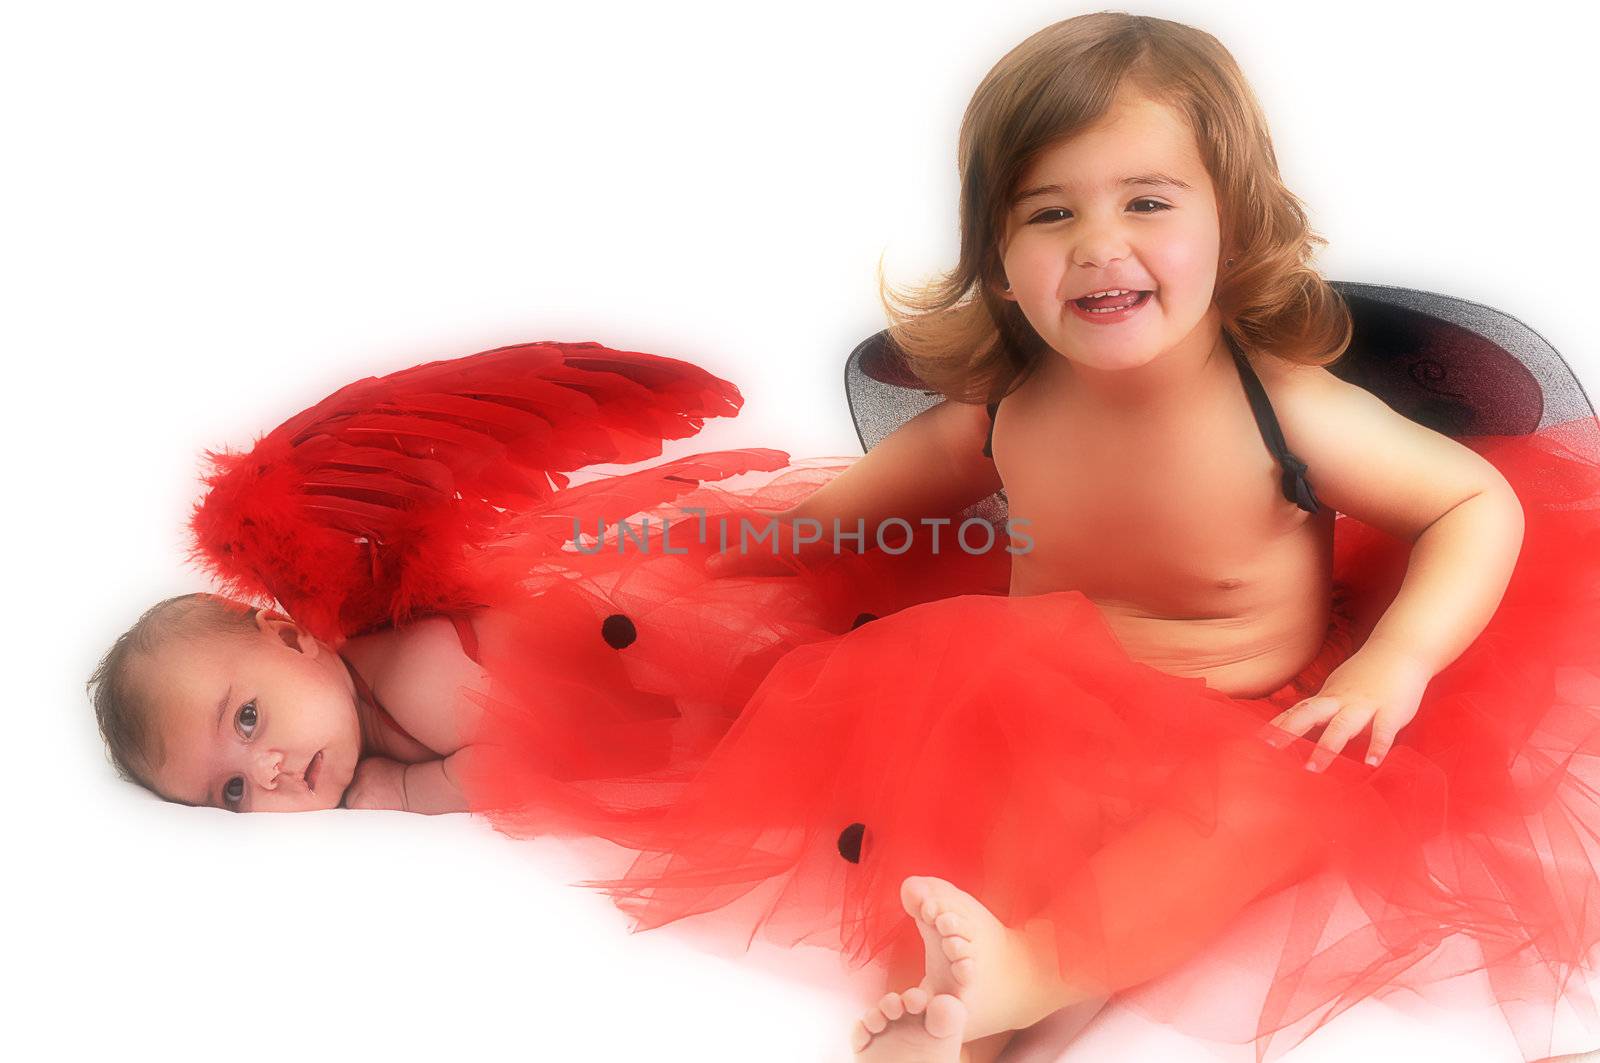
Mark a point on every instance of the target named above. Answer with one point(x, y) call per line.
point(952, 923)
point(915, 1000)
point(891, 1006)
point(946, 1017)
point(956, 948)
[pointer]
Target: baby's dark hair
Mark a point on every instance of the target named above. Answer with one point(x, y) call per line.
point(124, 709)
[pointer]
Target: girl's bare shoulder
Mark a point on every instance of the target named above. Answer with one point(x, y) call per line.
point(1274, 370)
point(1366, 460)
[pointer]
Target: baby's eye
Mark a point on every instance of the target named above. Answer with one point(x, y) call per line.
point(233, 791)
point(246, 718)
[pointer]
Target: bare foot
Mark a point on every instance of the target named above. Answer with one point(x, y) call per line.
point(911, 1027)
point(1005, 981)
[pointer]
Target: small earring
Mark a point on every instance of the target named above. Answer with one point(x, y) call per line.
point(1008, 286)
point(1229, 262)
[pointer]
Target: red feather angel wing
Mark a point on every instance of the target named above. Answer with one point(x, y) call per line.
point(368, 507)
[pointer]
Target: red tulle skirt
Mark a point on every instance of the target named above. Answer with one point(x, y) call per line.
point(796, 764)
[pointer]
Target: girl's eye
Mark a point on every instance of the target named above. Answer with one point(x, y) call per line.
point(1156, 207)
point(246, 719)
point(233, 791)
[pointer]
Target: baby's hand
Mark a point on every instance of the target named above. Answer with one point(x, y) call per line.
point(1378, 685)
point(379, 783)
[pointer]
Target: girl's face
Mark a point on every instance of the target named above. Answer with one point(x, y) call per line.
point(260, 722)
point(1127, 203)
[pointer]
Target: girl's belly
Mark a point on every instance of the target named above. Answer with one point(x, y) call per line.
point(1241, 656)
point(1246, 635)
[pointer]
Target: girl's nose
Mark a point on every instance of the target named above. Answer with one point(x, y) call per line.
point(1099, 244)
point(1098, 254)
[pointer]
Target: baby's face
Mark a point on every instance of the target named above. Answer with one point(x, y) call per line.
point(259, 722)
point(1095, 232)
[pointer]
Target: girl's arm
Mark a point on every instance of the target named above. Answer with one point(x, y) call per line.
point(933, 465)
point(1465, 524)
point(1463, 519)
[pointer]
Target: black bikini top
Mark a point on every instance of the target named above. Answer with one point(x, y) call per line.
point(1296, 488)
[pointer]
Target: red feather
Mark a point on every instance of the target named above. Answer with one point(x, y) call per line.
point(368, 507)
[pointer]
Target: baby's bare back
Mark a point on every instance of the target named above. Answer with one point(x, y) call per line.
point(1173, 522)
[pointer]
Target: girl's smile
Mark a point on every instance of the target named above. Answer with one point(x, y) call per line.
point(1109, 309)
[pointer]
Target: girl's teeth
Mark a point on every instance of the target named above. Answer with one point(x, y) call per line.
point(1123, 304)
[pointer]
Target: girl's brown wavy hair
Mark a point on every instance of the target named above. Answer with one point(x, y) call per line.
point(964, 340)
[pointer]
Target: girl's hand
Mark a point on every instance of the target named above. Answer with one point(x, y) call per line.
point(378, 783)
point(762, 558)
point(1378, 685)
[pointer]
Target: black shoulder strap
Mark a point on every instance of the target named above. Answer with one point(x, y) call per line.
point(988, 444)
point(1296, 488)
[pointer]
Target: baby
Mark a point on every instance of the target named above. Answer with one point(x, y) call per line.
point(207, 702)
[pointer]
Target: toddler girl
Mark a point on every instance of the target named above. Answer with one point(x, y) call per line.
point(1203, 689)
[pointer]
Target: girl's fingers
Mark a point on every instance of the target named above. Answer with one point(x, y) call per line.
point(1384, 731)
point(1378, 748)
point(1349, 722)
point(1300, 718)
point(1344, 722)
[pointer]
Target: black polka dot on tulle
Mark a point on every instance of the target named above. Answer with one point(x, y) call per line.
point(863, 618)
point(618, 631)
point(850, 842)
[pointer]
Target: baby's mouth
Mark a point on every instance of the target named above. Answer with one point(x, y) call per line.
point(312, 769)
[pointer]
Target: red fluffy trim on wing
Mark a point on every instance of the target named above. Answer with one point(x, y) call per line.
point(364, 508)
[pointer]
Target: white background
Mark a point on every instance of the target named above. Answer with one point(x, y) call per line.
point(216, 213)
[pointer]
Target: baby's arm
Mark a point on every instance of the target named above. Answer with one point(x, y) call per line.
point(430, 787)
point(423, 680)
point(434, 786)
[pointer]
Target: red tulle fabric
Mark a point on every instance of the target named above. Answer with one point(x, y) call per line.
point(774, 767)
point(628, 662)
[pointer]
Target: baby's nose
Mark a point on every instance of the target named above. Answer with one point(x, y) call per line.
point(268, 766)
